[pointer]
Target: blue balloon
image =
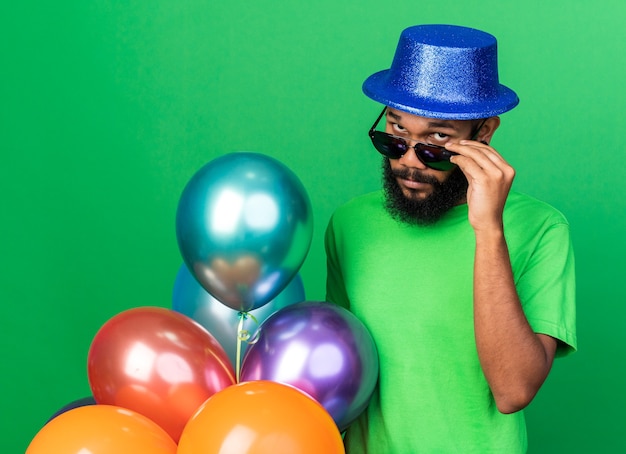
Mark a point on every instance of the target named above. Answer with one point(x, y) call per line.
point(191, 299)
point(244, 227)
point(82, 402)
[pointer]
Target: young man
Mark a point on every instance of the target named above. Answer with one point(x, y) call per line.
point(466, 286)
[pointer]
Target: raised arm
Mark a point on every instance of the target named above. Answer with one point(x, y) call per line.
point(514, 359)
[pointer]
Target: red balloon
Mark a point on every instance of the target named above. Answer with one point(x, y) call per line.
point(159, 363)
point(261, 417)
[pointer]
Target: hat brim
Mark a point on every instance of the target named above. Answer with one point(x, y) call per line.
point(378, 88)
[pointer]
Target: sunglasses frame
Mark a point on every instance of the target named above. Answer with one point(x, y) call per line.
point(432, 156)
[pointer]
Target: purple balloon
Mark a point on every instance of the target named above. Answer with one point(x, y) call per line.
point(321, 349)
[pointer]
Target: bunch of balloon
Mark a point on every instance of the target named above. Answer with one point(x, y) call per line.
point(101, 429)
point(244, 227)
point(323, 350)
point(191, 299)
point(158, 363)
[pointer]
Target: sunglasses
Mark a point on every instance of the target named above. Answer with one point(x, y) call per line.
point(394, 147)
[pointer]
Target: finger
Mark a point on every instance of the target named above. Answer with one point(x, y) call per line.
point(482, 164)
point(473, 148)
point(473, 170)
point(484, 155)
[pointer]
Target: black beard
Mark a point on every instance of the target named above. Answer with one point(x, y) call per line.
point(426, 211)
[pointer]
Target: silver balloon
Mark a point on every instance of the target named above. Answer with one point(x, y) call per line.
point(244, 227)
point(191, 299)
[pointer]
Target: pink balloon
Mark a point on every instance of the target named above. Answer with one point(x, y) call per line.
point(158, 363)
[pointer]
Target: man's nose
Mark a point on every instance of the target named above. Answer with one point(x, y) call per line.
point(410, 159)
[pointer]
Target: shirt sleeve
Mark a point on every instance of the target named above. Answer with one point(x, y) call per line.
point(547, 288)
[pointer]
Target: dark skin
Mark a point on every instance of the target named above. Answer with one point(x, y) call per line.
point(514, 359)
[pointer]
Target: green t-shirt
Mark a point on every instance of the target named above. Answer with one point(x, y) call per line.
point(412, 287)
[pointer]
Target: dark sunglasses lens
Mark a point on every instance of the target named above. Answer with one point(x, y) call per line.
point(440, 165)
point(389, 146)
point(435, 157)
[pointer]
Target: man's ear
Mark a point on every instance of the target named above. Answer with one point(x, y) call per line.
point(488, 129)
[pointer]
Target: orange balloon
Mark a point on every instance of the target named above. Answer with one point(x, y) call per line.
point(159, 363)
point(261, 417)
point(101, 429)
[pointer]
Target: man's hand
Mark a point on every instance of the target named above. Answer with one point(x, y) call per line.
point(489, 177)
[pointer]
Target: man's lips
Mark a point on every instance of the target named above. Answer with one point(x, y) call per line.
point(412, 184)
point(413, 179)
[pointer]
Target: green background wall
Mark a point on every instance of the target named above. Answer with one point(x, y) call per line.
point(108, 107)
